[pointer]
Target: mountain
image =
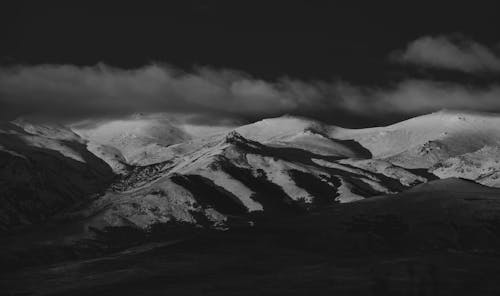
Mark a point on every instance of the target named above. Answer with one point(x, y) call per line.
point(227, 179)
point(288, 165)
point(294, 195)
point(482, 166)
point(137, 140)
point(43, 170)
point(450, 213)
point(276, 167)
point(439, 238)
point(423, 141)
point(302, 133)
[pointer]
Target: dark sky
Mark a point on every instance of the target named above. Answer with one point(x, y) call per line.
point(295, 39)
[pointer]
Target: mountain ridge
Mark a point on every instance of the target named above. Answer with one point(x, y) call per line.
point(274, 165)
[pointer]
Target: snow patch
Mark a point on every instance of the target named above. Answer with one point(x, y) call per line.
point(276, 172)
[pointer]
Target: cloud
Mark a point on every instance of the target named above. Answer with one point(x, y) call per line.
point(449, 53)
point(220, 97)
point(412, 97)
point(71, 92)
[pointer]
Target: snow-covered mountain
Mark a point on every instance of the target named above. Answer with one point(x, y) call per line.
point(138, 140)
point(423, 141)
point(482, 166)
point(274, 167)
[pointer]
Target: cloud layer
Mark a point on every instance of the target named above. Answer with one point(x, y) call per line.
point(70, 93)
point(450, 53)
point(62, 91)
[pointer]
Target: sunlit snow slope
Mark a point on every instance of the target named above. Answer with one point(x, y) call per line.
point(423, 141)
point(138, 140)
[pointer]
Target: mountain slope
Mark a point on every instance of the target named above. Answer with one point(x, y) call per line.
point(408, 244)
point(138, 140)
point(422, 141)
point(44, 169)
point(302, 133)
point(442, 214)
point(482, 166)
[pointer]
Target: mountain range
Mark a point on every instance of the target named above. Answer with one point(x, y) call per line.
point(146, 170)
point(157, 195)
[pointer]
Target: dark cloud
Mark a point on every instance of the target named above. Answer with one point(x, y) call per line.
point(207, 96)
point(455, 53)
point(70, 92)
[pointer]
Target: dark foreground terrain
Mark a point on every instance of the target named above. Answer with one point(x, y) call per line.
point(251, 264)
point(441, 238)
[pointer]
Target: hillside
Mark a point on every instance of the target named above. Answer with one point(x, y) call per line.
point(43, 170)
point(423, 141)
point(137, 140)
point(450, 213)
